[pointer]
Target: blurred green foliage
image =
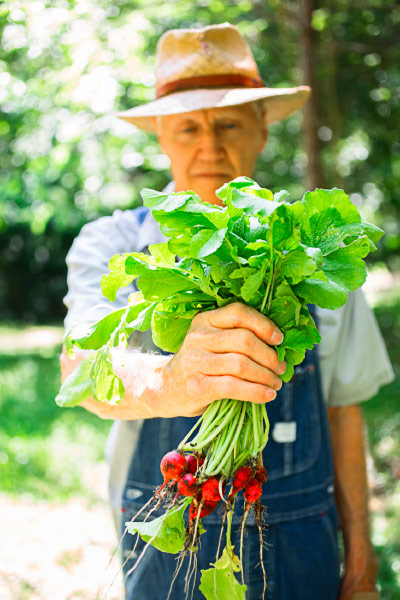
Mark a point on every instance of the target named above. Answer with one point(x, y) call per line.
point(65, 66)
point(44, 451)
point(382, 419)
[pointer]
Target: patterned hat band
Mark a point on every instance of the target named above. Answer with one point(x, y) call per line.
point(208, 81)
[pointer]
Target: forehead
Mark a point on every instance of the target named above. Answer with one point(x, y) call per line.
point(243, 111)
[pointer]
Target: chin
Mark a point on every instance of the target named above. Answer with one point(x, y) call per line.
point(210, 197)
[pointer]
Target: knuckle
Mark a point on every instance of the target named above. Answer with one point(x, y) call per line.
point(199, 318)
point(245, 340)
point(193, 339)
point(208, 317)
point(190, 357)
point(273, 359)
point(267, 377)
point(196, 385)
point(238, 313)
point(226, 386)
point(238, 363)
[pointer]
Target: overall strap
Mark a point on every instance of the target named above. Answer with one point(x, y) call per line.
point(141, 213)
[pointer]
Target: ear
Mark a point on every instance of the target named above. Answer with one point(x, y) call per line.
point(264, 138)
point(157, 126)
point(158, 131)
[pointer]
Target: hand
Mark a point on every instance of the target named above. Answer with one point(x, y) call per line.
point(226, 353)
point(361, 568)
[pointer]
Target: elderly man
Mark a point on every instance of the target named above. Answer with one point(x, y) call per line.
point(210, 117)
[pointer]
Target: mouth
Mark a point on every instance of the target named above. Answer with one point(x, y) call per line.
point(213, 175)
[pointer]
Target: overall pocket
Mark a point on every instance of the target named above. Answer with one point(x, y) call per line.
point(295, 434)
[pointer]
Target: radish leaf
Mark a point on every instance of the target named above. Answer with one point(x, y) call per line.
point(219, 582)
point(117, 277)
point(166, 533)
point(77, 387)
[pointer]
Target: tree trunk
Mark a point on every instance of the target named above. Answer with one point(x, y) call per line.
point(312, 142)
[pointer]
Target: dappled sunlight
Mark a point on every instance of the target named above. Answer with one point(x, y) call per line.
point(66, 159)
point(29, 338)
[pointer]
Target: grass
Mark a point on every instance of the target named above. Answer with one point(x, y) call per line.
point(46, 452)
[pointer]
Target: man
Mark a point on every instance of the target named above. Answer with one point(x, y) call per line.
point(211, 117)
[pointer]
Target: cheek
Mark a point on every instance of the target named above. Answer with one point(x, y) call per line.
point(181, 159)
point(244, 159)
point(244, 152)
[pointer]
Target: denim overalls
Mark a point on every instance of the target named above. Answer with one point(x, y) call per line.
point(301, 557)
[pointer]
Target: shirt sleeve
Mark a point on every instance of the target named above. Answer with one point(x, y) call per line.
point(87, 262)
point(362, 363)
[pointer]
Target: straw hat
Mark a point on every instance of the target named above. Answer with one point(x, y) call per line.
point(210, 67)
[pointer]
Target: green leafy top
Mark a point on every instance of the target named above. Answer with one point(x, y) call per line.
point(166, 533)
point(257, 248)
point(219, 582)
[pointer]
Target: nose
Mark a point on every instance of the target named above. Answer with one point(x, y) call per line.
point(210, 145)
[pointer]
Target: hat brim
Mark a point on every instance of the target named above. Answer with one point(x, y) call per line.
point(279, 103)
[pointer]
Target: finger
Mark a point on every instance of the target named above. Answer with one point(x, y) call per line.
point(195, 411)
point(239, 315)
point(228, 386)
point(240, 366)
point(240, 341)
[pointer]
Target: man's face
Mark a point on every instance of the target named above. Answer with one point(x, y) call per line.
point(210, 147)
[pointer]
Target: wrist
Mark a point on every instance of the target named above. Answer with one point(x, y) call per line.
point(143, 377)
point(361, 564)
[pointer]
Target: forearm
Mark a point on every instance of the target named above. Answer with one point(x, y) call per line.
point(351, 490)
point(351, 487)
point(142, 376)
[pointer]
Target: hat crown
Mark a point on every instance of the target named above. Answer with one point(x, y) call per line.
point(208, 52)
point(210, 67)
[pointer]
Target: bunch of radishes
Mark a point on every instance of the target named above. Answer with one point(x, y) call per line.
point(184, 471)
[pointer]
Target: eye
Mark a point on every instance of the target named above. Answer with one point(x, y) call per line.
point(229, 126)
point(188, 129)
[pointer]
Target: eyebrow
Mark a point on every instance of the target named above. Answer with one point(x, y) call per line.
point(230, 116)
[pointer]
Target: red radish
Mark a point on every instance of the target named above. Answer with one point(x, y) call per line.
point(206, 510)
point(261, 475)
point(241, 479)
point(210, 490)
point(173, 465)
point(187, 485)
point(194, 462)
point(252, 491)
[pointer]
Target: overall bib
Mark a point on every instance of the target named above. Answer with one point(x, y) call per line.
point(301, 555)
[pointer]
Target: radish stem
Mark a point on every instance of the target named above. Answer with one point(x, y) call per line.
point(197, 445)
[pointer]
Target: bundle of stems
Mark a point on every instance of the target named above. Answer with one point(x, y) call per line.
point(230, 433)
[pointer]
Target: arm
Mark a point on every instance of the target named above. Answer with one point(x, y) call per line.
point(142, 376)
point(361, 566)
point(227, 353)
